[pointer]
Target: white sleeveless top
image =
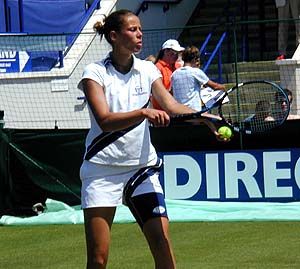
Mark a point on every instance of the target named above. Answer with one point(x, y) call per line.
point(123, 92)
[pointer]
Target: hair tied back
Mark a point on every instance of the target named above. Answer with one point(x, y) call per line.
point(99, 25)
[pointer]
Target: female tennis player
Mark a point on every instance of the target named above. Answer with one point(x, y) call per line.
point(118, 146)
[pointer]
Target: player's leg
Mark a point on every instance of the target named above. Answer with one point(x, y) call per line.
point(100, 195)
point(97, 222)
point(149, 209)
point(156, 231)
point(144, 196)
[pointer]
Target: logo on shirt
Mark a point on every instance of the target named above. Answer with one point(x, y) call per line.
point(139, 91)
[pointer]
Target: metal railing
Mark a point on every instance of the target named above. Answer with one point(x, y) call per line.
point(217, 51)
point(166, 5)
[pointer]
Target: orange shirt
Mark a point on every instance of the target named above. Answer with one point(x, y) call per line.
point(166, 71)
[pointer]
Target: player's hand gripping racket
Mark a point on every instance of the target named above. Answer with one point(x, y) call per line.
point(253, 107)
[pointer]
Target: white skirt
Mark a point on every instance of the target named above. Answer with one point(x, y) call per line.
point(102, 185)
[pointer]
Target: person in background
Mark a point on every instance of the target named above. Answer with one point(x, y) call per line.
point(285, 8)
point(189, 81)
point(179, 62)
point(260, 117)
point(165, 62)
point(284, 105)
point(262, 112)
point(118, 146)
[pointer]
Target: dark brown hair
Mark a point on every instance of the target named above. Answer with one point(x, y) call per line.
point(289, 93)
point(190, 53)
point(159, 55)
point(279, 97)
point(113, 22)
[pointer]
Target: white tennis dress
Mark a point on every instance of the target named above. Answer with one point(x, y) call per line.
point(112, 158)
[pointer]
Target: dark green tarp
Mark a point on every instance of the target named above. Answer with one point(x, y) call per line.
point(40, 164)
point(36, 165)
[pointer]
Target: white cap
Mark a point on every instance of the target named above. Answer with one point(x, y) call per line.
point(172, 44)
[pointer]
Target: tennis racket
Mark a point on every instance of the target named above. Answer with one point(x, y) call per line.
point(253, 107)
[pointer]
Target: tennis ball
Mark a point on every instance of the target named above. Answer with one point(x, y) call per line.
point(225, 132)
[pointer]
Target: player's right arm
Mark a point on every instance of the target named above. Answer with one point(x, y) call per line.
point(115, 121)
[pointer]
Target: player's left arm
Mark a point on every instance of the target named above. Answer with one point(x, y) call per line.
point(172, 107)
point(167, 101)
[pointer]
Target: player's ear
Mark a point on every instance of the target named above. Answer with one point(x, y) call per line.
point(113, 35)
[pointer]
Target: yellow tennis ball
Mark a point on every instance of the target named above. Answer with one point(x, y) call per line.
point(225, 132)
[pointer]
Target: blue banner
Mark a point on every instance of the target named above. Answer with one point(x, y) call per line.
point(14, 61)
point(256, 175)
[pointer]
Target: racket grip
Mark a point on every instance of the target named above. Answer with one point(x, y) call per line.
point(187, 116)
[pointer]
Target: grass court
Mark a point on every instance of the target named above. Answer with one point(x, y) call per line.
point(197, 245)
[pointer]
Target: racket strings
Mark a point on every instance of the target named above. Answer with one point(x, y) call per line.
point(255, 107)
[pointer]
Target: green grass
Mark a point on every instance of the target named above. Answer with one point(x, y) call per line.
point(196, 245)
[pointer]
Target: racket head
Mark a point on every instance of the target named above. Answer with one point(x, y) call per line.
point(255, 106)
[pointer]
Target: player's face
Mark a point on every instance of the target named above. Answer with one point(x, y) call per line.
point(130, 37)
